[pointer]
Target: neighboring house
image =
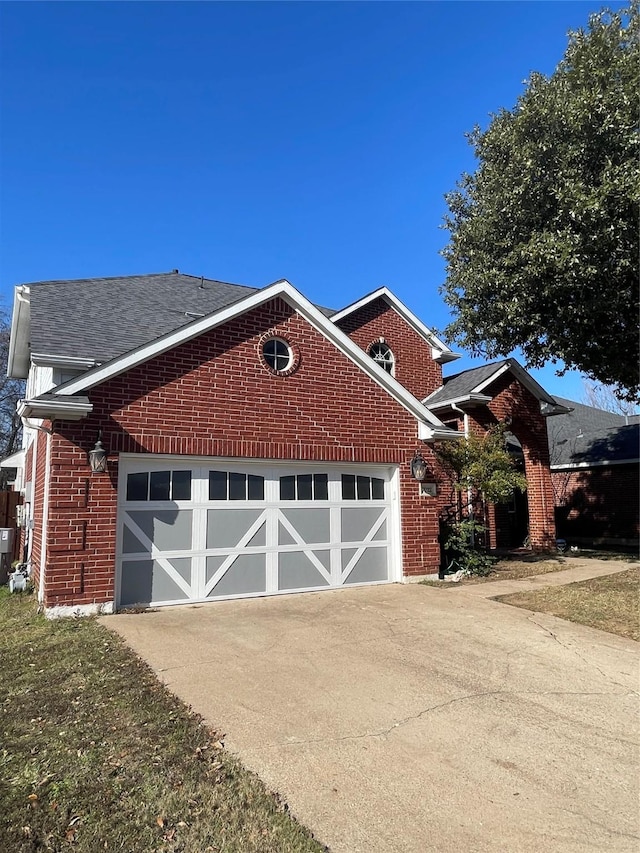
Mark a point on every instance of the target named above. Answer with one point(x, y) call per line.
point(256, 443)
point(595, 458)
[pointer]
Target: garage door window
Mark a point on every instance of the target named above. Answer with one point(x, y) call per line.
point(362, 488)
point(159, 486)
point(235, 486)
point(304, 487)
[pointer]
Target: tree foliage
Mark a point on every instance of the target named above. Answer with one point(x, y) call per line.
point(483, 464)
point(543, 246)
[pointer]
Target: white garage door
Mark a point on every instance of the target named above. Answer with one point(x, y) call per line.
point(220, 529)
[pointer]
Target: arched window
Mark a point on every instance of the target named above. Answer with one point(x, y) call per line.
point(382, 355)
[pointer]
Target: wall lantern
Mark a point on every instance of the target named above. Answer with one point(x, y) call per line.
point(98, 457)
point(418, 467)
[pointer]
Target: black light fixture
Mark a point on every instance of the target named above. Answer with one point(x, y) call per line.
point(418, 467)
point(98, 457)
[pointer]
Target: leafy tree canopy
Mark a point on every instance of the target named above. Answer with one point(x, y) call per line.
point(543, 247)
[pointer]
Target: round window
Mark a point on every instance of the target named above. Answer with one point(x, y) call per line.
point(277, 354)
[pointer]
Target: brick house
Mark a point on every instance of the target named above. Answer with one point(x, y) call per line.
point(256, 444)
point(595, 458)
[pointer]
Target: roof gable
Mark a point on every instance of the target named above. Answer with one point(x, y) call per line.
point(474, 386)
point(439, 350)
point(429, 425)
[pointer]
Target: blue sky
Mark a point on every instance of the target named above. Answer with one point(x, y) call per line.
point(249, 142)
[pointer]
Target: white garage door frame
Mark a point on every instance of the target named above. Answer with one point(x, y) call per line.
point(333, 560)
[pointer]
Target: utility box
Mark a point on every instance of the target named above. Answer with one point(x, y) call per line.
point(6, 540)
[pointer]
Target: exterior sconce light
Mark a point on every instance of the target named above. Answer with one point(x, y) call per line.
point(98, 457)
point(418, 467)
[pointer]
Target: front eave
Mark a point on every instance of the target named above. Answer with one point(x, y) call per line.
point(75, 409)
point(18, 359)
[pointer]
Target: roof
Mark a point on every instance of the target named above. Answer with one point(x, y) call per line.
point(587, 436)
point(473, 387)
point(462, 384)
point(65, 401)
point(111, 315)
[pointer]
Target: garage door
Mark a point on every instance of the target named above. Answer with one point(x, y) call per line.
point(197, 532)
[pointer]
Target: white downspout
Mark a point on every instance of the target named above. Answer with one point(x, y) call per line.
point(45, 518)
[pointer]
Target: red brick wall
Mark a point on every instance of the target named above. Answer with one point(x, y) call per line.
point(600, 503)
point(414, 364)
point(212, 397)
point(40, 448)
point(512, 400)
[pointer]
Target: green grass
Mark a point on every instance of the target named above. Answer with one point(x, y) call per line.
point(97, 755)
point(609, 603)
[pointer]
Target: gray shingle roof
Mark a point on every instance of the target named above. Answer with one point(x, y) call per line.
point(590, 435)
point(101, 318)
point(461, 384)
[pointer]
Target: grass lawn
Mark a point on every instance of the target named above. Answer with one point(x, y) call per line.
point(609, 603)
point(96, 755)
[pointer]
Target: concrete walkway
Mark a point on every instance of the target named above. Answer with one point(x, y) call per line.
point(577, 570)
point(406, 719)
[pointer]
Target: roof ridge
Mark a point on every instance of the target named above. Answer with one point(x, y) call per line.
point(138, 275)
point(446, 379)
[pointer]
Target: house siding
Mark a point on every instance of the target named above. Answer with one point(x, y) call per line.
point(212, 397)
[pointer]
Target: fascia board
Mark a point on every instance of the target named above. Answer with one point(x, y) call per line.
point(68, 410)
point(522, 376)
point(43, 359)
point(426, 433)
point(486, 382)
point(469, 399)
point(296, 300)
point(15, 460)
point(18, 357)
point(437, 346)
point(570, 466)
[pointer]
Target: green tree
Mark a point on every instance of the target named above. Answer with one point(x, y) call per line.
point(482, 464)
point(543, 245)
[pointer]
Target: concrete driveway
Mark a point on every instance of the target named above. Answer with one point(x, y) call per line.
point(405, 718)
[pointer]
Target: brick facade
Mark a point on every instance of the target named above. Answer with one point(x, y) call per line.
point(212, 397)
point(414, 364)
point(517, 404)
point(599, 505)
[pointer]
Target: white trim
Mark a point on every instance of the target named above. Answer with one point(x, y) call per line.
point(503, 369)
point(604, 462)
point(47, 360)
point(440, 352)
point(522, 376)
point(69, 410)
point(471, 399)
point(18, 358)
point(45, 518)
point(296, 300)
point(15, 460)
